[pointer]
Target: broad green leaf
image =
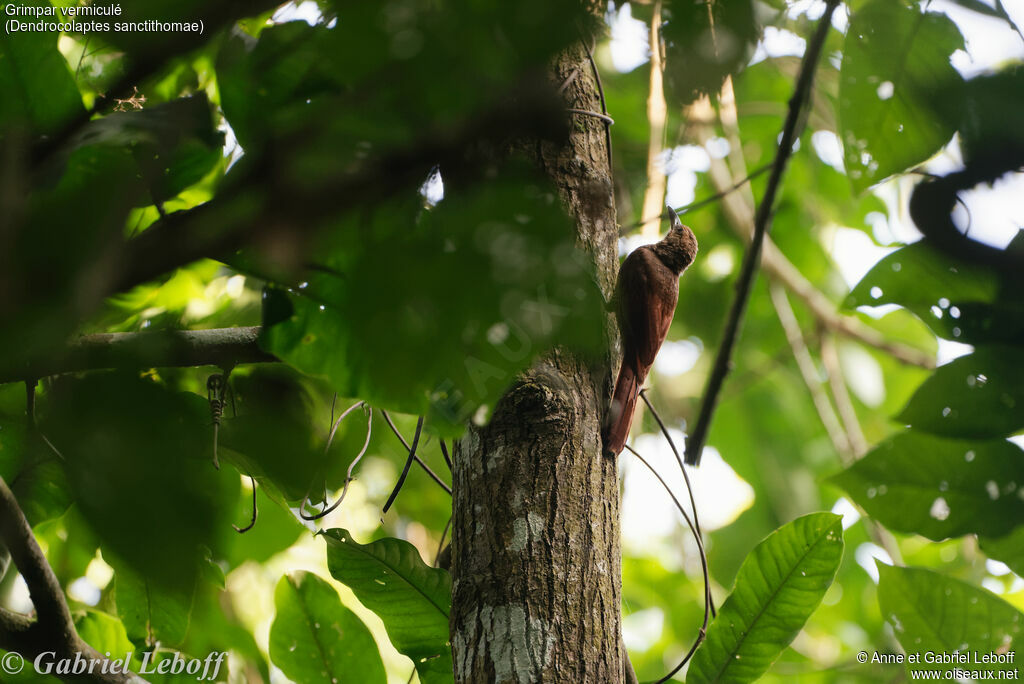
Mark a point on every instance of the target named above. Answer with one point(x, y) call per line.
point(149, 610)
point(777, 589)
point(70, 543)
point(276, 528)
point(138, 461)
point(42, 487)
point(486, 280)
point(305, 80)
point(389, 577)
point(918, 276)
point(212, 630)
point(958, 301)
point(39, 91)
point(939, 488)
point(931, 612)
point(105, 633)
point(314, 639)
point(34, 473)
point(273, 432)
point(171, 145)
point(894, 58)
point(980, 395)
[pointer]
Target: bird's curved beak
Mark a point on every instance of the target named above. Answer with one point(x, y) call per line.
point(673, 217)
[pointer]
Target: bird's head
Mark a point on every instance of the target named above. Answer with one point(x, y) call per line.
point(678, 249)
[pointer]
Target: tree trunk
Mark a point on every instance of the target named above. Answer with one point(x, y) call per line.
point(536, 560)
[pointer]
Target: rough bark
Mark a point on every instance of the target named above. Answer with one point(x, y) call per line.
point(536, 558)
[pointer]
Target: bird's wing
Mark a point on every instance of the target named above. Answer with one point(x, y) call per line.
point(648, 295)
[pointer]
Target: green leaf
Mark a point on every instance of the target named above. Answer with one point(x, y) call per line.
point(917, 276)
point(150, 611)
point(276, 529)
point(33, 472)
point(894, 58)
point(958, 301)
point(105, 633)
point(399, 278)
point(138, 462)
point(272, 432)
point(777, 589)
point(930, 612)
point(1008, 549)
point(939, 488)
point(980, 396)
point(172, 145)
point(389, 577)
point(39, 91)
point(314, 639)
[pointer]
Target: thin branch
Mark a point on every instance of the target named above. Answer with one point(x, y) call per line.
point(657, 115)
point(739, 210)
point(679, 460)
point(761, 223)
point(604, 105)
point(708, 604)
point(415, 456)
point(597, 115)
point(180, 348)
point(694, 206)
point(408, 464)
point(447, 458)
point(841, 397)
point(440, 544)
point(809, 372)
point(17, 536)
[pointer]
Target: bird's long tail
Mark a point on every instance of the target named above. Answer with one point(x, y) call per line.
point(620, 418)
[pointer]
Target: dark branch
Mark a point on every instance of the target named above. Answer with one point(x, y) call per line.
point(408, 464)
point(218, 347)
point(53, 630)
point(416, 457)
point(761, 224)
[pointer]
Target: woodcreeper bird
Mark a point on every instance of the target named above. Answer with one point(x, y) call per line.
point(645, 300)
